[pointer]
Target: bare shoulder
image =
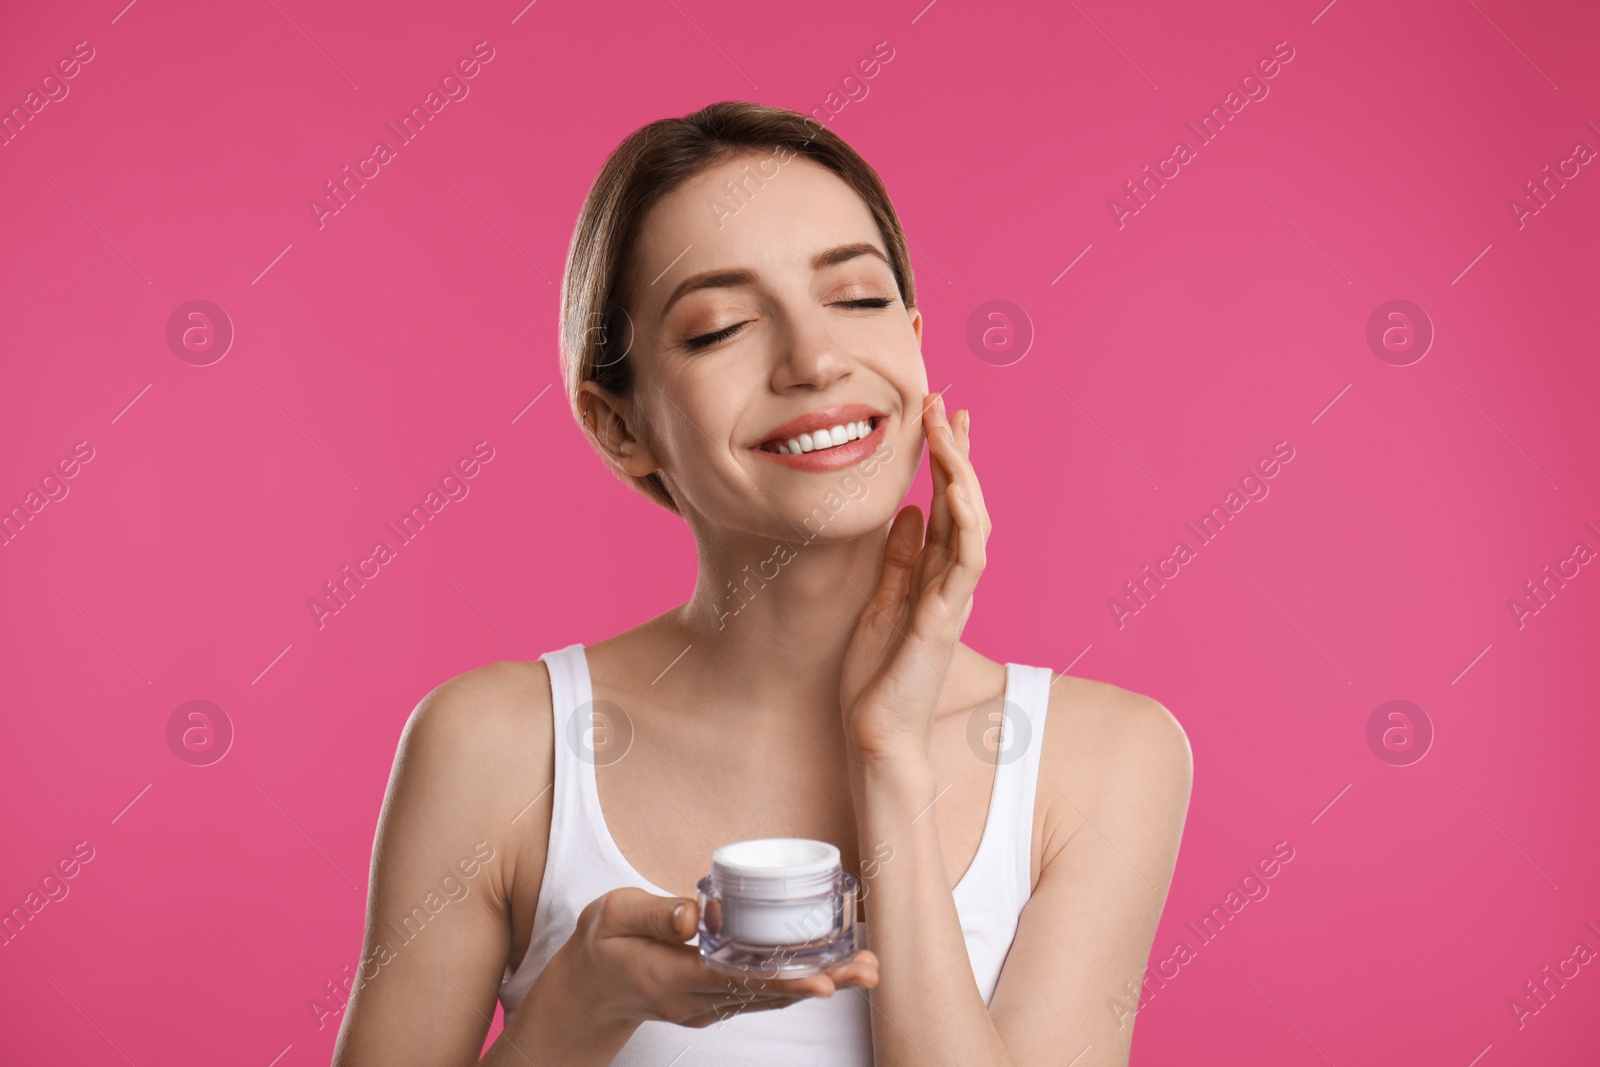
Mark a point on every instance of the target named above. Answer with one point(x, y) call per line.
point(474, 751)
point(1102, 722)
point(480, 709)
point(442, 858)
point(1112, 757)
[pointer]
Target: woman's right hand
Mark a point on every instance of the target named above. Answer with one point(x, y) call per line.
point(627, 963)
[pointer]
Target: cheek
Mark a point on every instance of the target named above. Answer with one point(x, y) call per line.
point(909, 372)
point(691, 427)
point(678, 438)
point(896, 470)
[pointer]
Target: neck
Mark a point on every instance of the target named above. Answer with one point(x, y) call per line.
point(775, 618)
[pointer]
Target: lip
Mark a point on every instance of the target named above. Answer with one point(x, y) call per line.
point(830, 459)
point(825, 419)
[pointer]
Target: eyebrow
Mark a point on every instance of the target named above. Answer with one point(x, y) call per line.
point(728, 279)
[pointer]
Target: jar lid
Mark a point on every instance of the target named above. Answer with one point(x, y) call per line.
point(774, 867)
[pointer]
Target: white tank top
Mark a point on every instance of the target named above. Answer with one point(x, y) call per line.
point(584, 862)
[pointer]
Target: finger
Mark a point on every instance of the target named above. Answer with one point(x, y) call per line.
point(936, 424)
point(900, 554)
point(964, 474)
point(949, 452)
point(861, 971)
point(975, 490)
point(969, 554)
point(763, 1004)
point(752, 986)
point(865, 958)
point(634, 912)
point(719, 1012)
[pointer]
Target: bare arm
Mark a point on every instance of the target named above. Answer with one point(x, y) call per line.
point(1117, 770)
point(438, 908)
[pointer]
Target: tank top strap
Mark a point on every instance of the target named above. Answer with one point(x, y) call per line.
point(574, 864)
point(566, 675)
point(1017, 776)
point(587, 734)
point(573, 822)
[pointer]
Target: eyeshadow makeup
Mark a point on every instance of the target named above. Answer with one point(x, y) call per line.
point(777, 907)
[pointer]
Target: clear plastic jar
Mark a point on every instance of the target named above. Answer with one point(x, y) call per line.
point(777, 907)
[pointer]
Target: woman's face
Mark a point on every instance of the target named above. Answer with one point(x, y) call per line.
point(756, 326)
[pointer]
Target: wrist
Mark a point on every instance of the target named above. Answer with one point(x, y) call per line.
point(887, 757)
point(899, 774)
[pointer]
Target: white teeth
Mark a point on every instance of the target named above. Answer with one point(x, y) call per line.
point(826, 438)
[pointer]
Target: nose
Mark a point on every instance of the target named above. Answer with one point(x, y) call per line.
point(808, 353)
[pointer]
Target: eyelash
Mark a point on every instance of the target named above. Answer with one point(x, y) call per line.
point(706, 340)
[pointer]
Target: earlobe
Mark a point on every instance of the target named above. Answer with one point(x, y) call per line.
point(636, 461)
point(605, 418)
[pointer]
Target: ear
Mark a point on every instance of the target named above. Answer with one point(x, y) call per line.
point(916, 324)
point(608, 420)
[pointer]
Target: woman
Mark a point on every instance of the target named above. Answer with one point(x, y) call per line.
point(741, 343)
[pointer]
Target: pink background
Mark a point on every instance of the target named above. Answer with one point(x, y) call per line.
point(1229, 314)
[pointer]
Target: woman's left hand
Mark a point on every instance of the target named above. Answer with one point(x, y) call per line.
point(895, 664)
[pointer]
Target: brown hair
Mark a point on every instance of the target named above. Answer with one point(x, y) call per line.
point(650, 163)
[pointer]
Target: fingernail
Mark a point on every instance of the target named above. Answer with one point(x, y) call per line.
point(677, 912)
point(961, 491)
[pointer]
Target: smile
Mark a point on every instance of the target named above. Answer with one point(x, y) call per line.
point(833, 437)
point(831, 448)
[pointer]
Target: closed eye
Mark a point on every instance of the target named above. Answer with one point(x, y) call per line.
point(706, 340)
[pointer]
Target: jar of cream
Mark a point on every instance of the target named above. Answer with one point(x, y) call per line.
point(777, 907)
